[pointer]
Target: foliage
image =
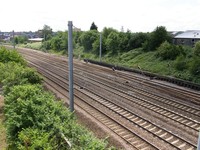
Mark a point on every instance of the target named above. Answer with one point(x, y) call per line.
point(180, 63)
point(96, 46)
point(15, 74)
point(46, 45)
point(93, 27)
point(195, 66)
point(10, 55)
point(35, 45)
point(137, 39)
point(132, 49)
point(28, 106)
point(56, 43)
point(88, 38)
point(123, 41)
point(34, 139)
point(46, 32)
point(21, 39)
point(197, 49)
point(112, 43)
point(168, 51)
point(156, 38)
point(34, 120)
point(107, 31)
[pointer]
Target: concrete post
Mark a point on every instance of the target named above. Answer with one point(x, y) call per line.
point(198, 145)
point(70, 66)
point(100, 47)
point(13, 39)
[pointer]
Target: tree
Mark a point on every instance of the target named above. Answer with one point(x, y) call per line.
point(123, 41)
point(93, 27)
point(112, 42)
point(168, 51)
point(21, 39)
point(107, 31)
point(56, 43)
point(88, 38)
point(197, 49)
point(46, 32)
point(156, 38)
point(137, 39)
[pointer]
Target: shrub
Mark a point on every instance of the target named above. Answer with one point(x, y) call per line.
point(31, 138)
point(28, 106)
point(31, 113)
point(197, 49)
point(195, 66)
point(18, 75)
point(88, 38)
point(33, 119)
point(10, 55)
point(180, 63)
point(168, 51)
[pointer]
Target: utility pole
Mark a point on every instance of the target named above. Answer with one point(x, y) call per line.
point(13, 39)
point(100, 47)
point(70, 66)
point(198, 144)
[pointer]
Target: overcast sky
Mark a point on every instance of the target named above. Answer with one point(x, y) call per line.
point(135, 15)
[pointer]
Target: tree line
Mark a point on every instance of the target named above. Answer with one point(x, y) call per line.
point(118, 42)
point(113, 41)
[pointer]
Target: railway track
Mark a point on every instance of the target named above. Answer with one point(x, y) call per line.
point(123, 106)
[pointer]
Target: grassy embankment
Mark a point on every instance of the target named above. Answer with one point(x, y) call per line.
point(145, 60)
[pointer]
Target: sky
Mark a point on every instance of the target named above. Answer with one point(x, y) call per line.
point(133, 15)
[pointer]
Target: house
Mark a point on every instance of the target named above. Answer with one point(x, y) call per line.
point(188, 38)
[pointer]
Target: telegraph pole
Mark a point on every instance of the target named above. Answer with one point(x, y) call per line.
point(70, 66)
point(198, 144)
point(100, 47)
point(13, 39)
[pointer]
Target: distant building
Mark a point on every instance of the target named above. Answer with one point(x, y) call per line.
point(75, 29)
point(35, 40)
point(188, 38)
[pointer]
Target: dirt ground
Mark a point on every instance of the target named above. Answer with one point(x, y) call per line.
point(2, 128)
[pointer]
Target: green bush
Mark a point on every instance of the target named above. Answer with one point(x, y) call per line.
point(33, 119)
point(10, 55)
point(168, 51)
point(197, 49)
point(34, 139)
point(180, 63)
point(195, 66)
point(17, 75)
point(28, 106)
point(29, 110)
point(88, 38)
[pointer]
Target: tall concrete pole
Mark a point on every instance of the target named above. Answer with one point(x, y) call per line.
point(100, 47)
point(70, 66)
point(198, 144)
point(13, 39)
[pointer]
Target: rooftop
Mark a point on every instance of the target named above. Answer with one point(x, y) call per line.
point(190, 34)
